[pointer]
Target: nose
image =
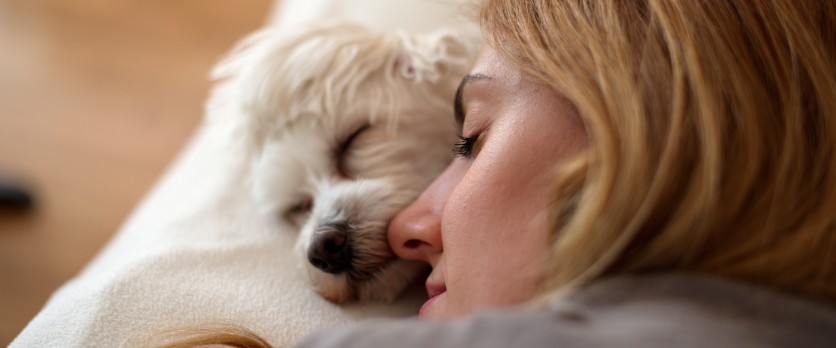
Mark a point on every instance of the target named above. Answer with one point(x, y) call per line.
point(330, 249)
point(415, 232)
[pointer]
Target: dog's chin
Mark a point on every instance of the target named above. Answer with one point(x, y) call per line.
point(382, 285)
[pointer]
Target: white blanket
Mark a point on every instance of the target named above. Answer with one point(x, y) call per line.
point(197, 251)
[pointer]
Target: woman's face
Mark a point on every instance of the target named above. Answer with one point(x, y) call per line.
point(482, 224)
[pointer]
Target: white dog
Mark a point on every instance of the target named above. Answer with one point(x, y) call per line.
point(351, 126)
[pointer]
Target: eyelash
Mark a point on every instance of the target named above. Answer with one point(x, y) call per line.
point(464, 147)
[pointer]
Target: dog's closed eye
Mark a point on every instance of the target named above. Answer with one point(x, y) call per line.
point(298, 213)
point(342, 151)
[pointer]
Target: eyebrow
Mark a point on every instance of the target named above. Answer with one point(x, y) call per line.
point(458, 108)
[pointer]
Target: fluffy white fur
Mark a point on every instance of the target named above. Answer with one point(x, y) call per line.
point(305, 94)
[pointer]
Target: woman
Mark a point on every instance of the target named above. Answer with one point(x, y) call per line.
point(683, 138)
point(691, 142)
point(633, 173)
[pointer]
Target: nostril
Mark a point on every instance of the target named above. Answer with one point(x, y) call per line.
point(318, 262)
point(412, 243)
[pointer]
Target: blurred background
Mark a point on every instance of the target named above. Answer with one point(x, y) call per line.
point(96, 98)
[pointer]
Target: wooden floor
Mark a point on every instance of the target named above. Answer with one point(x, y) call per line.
point(96, 98)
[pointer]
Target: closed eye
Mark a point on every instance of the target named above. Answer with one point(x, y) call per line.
point(342, 151)
point(464, 147)
point(298, 213)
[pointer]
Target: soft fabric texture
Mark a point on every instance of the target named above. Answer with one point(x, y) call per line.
point(666, 310)
point(196, 250)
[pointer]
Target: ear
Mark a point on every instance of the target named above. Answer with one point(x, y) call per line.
point(430, 57)
point(404, 67)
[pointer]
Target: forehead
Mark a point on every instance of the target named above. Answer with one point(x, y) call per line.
point(492, 64)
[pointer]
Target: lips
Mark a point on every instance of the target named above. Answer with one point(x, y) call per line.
point(433, 291)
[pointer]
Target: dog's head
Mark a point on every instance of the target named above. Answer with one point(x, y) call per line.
point(351, 126)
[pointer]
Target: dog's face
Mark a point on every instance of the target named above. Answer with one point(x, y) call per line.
point(352, 125)
point(340, 184)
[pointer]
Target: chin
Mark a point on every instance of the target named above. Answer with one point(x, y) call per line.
point(347, 127)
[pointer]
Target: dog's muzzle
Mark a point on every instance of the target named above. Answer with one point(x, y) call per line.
point(330, 249)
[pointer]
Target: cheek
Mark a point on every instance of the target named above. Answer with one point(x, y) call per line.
point(495, 256)
point(495, 223)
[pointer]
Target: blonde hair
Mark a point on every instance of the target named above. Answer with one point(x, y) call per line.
point(205, 334)
point(713, 127)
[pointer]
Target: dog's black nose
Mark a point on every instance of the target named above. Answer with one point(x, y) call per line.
point(330, 249)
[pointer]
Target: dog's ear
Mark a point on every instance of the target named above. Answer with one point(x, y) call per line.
point(432, 56)
point(404, 68)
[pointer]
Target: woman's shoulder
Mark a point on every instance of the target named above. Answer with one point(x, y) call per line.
point(638, 311)
point(692, 310)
